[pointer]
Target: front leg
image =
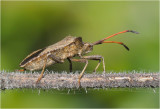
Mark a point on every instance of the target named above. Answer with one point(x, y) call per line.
point(95, 57)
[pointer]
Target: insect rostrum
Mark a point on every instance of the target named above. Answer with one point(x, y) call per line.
point(67, 48)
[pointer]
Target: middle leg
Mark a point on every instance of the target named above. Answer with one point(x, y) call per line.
point(82, 61)
point(70, 64)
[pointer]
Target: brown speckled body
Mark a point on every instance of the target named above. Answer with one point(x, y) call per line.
point(68, 47)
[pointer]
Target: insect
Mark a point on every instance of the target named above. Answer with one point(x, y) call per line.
point(67, 48)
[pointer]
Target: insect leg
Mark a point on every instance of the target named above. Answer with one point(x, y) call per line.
point(40, 77)
point(83, 61)
point(96, 57)
point(97, 65)
point(70, 64)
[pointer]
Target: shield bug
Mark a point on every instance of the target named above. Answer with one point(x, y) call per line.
point(67, 48)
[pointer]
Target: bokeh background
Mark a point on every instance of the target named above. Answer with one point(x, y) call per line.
point(27, 26)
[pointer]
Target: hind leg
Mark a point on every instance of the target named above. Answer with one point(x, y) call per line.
point(40, 77)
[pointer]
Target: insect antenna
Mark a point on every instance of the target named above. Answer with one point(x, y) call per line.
point(117, 43)
point(103, 40)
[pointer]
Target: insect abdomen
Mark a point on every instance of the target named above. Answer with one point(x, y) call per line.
point(38, 63)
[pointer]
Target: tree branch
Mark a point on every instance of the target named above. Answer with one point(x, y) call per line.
point(13, 80)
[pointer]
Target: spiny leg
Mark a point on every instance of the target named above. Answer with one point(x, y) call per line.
point(70, 64)
point(96, 57)
point(40, 77)
point(81, 74)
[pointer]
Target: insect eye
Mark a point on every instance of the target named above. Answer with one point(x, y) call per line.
point(89, 47)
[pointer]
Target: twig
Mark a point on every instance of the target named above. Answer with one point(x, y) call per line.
point(13, 80)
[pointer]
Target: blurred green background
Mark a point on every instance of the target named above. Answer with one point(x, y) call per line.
point(28, 26)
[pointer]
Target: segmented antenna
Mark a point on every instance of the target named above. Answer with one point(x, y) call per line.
point(103, 40)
